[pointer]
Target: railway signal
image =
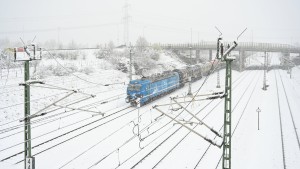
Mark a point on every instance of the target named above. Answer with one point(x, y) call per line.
point(258, 110)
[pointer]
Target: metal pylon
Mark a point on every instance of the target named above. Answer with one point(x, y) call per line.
point(265, 72)
point(218, 79)
point(227, 118)
point(27, 125)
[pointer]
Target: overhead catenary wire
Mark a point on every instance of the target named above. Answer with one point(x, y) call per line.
point(34, 100)
point(239, 118)
point(144, 129)
point(91, 147)
point(45, 98)
point(71, 132)
point(164, 125)
point(47, 111)
point(155, 147)
point(157, 138)
point(49, 132)
point(78, 135)
point(223, 125)
point(171, 121)
point(164, 142)
point(104, 101)
point(161, 135)
point(60, 119)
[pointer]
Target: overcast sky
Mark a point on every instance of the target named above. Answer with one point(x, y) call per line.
point(166, 21)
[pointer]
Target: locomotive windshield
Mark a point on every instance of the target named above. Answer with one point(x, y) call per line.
point(134, 87)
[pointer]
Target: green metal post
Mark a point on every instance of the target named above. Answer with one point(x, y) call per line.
point(227, 118)
point(27, 129)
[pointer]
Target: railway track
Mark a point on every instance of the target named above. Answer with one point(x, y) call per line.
point(280, 122)
point(247, 88)
point(175, 132)
point(290, 110)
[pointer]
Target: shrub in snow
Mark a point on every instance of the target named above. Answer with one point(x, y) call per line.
point(101, 54)
point(43, 71)
point(155, 56)
point(57, 70)
point(87, 70)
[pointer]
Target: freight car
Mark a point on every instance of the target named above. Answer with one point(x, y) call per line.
point(146, 89)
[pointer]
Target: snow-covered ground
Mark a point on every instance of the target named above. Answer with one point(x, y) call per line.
point(125, 137)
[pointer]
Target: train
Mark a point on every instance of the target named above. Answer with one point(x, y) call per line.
point(145, 90)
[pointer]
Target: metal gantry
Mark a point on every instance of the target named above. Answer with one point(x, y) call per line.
point(224, 56)
point(27, 127)
point(227, 118)
point(27, 54)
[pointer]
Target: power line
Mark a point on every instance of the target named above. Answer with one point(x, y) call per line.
point(100, 141)
point(170, 136)
point(90, 105)
point(160, 135)
point(75, 135)
point(69, 133)
point(223, 124)
point(61, 28)
point(104, 101)
point(141, 132)
point(35, 100)
point(240, 118)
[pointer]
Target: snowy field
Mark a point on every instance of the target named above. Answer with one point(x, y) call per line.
point(104, 132)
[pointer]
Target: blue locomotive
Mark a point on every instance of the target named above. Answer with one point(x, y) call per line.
point(146, 89)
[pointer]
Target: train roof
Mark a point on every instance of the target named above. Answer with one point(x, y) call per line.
point(140, 81)
point(153, 78)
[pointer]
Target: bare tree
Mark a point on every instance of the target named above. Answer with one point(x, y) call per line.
point(141, 44)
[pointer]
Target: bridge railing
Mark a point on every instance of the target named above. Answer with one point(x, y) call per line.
point(246, 46)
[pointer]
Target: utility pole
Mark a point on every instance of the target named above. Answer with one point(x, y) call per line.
point(265, 72)
point(126, 23)
point(27, 54)
point(130, 63)
point(190, 78)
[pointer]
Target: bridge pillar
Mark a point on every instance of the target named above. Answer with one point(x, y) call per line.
point(241, 60)
point(210, 55)
point(198, 54)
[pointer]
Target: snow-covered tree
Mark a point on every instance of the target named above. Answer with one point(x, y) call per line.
point(141, 44)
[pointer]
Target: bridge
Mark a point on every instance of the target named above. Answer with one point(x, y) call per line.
point(242, 48)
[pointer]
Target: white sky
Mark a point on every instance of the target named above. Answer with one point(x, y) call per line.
point(166, 21)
